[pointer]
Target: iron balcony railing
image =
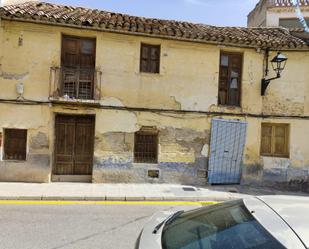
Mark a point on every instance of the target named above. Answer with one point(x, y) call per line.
point(72, 83)
point(283, 3)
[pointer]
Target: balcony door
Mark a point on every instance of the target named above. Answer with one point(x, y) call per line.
point(78, 67)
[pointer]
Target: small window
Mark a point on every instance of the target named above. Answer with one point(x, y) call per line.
point(150, 58)
point(230, 79)
point(275, 140)
point(146, 146)
point(15, 144)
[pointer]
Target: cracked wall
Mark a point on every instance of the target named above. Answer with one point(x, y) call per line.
point(188, 80)
point(36, 119)
point(181, 158)
point(286, 173)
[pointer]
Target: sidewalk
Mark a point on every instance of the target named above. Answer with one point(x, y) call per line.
point(126, 192)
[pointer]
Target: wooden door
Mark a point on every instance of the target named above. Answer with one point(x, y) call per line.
point(74, 145)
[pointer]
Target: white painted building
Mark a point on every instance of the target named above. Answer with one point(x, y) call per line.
point(274, 13)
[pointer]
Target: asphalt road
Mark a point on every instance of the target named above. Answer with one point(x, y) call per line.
point(74, 226)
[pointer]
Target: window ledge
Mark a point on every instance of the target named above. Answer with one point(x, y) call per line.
point(145, 74)
point(277, 156)
point(234, 107)
point(146, 164)
point(75, 101)
point(14, 161)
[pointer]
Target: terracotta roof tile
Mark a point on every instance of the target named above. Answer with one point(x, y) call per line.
point(114, 22)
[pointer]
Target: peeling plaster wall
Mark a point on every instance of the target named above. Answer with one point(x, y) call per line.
point(288, 95)
point(36, 119)
point(188, 80)
point(291, 173)
point(183, 147)
point(27, 55)
point(182, 157)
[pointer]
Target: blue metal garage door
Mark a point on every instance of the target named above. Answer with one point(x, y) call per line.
point(228, 139)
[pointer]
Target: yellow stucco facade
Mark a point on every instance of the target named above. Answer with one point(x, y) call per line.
point(180, 102)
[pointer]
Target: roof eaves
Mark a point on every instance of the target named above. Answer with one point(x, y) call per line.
point(45, 13)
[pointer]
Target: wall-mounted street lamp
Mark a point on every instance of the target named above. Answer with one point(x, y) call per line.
point(278, 63)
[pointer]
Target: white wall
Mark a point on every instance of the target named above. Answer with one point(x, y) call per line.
point(8, 2)
point(273, 16)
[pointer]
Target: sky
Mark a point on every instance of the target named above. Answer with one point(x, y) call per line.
point(212, 12)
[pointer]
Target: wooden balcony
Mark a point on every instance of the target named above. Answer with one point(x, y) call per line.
point(72, 84)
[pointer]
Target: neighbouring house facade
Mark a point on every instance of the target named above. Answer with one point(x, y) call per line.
point(281, 13)
point(88, 95)
point(275, 13)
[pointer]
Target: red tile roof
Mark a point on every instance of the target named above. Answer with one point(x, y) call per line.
point(40, 12)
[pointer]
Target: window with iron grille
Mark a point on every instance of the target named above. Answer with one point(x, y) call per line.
point(78, 67)
point(150, 58)
point(146, 147)
point(15, 144)
point(230, 79)
point(275, 140)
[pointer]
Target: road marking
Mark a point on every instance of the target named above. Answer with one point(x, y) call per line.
point(170, 203)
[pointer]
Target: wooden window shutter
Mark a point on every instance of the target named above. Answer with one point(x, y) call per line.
point(280, 140)
point(15, 144)
point(150, 58)
point(266, 139)
point(70, 52)
point(87, 53)
point(275, 140)
point(144, 58)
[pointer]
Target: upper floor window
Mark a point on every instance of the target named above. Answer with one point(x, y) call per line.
point(275, 140)
point(15, 144)
point(150, 58)
point(78, 67)
point(146, 146)
point(291, 22)
point(230, 79)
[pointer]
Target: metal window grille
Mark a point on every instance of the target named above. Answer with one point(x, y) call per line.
point(78, 83)
point(146, 147)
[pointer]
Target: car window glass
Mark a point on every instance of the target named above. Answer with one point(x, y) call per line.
point(223, 226)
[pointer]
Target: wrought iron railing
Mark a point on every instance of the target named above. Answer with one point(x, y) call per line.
point(72, 83)
point(289, 2)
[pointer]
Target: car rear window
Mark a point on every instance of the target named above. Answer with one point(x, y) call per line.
point(229, 225)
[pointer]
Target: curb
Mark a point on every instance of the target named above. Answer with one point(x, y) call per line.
point(118, 198)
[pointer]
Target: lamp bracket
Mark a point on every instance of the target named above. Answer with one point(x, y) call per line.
point(265, 83)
